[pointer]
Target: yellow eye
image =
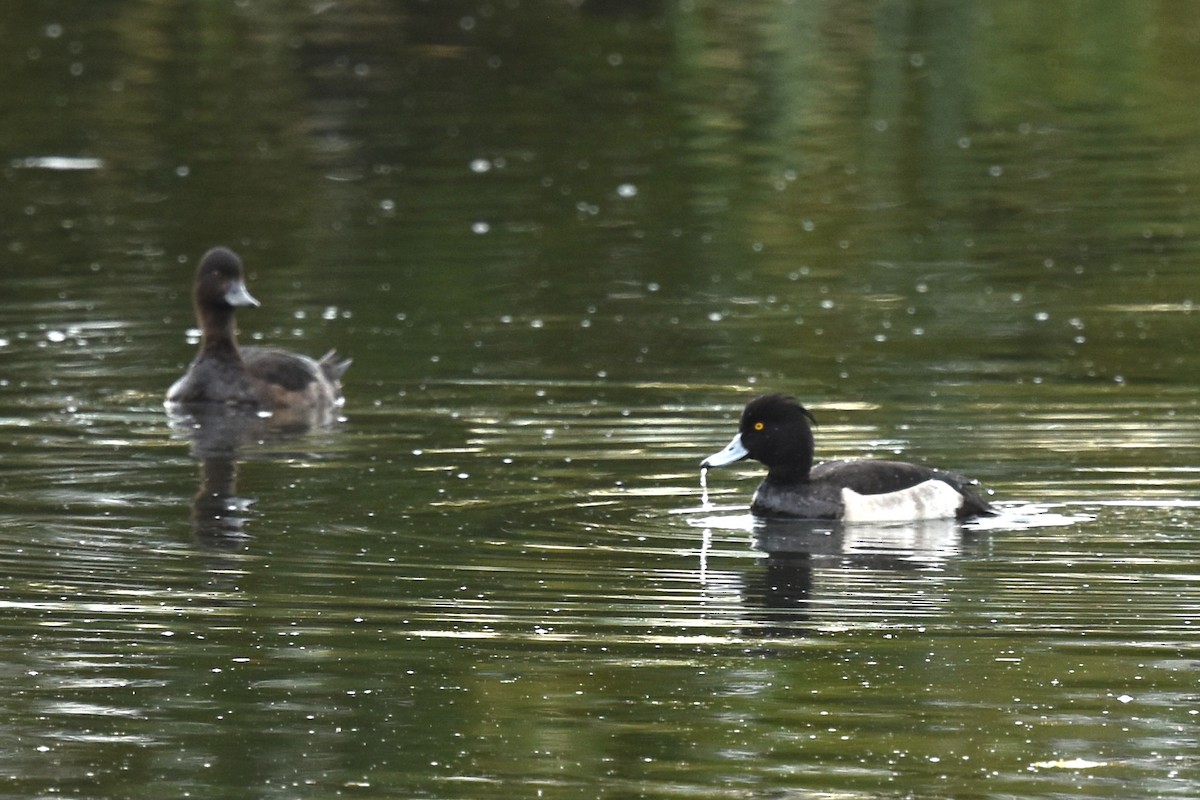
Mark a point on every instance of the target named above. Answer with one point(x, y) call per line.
point(758, 426)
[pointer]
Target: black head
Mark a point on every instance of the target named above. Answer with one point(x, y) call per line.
point(220, 285)
point(777, 431)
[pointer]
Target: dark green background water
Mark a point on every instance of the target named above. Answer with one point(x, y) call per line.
point(564, 242)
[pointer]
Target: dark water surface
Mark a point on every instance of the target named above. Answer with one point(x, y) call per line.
point(564, 242)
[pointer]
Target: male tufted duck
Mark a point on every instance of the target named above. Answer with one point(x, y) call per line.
point(259, 378)
point(775, 430)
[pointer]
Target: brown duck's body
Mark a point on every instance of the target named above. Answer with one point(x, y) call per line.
point(258, 378)
point(262, 378)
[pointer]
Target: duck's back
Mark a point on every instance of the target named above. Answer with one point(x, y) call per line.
point(878, 476)
point(282, 379)
point(821, 496)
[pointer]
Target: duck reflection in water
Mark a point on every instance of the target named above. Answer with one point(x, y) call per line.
point(218, 514)
point(803, 558)
point(219, 438)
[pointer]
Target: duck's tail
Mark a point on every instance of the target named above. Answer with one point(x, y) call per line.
point(975, 502)
point(333, 366)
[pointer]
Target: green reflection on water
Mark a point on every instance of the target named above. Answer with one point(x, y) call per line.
point(564, 242)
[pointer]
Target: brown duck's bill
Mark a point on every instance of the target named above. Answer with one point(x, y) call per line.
point(238, 295)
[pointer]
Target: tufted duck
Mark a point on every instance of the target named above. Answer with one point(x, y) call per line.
point(259, 378)
point(775, 430)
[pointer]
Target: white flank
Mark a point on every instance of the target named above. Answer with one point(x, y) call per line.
point(929, 500)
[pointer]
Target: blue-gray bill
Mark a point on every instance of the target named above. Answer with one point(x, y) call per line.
point(734, 451)
point(239, 296)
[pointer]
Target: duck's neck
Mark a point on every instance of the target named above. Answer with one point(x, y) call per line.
point(782, 475)
point(217, 333)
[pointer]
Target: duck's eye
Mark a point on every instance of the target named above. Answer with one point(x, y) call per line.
point(758, 426)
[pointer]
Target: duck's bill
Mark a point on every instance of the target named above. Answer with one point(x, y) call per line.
point(238, 296)
point(734, 451)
